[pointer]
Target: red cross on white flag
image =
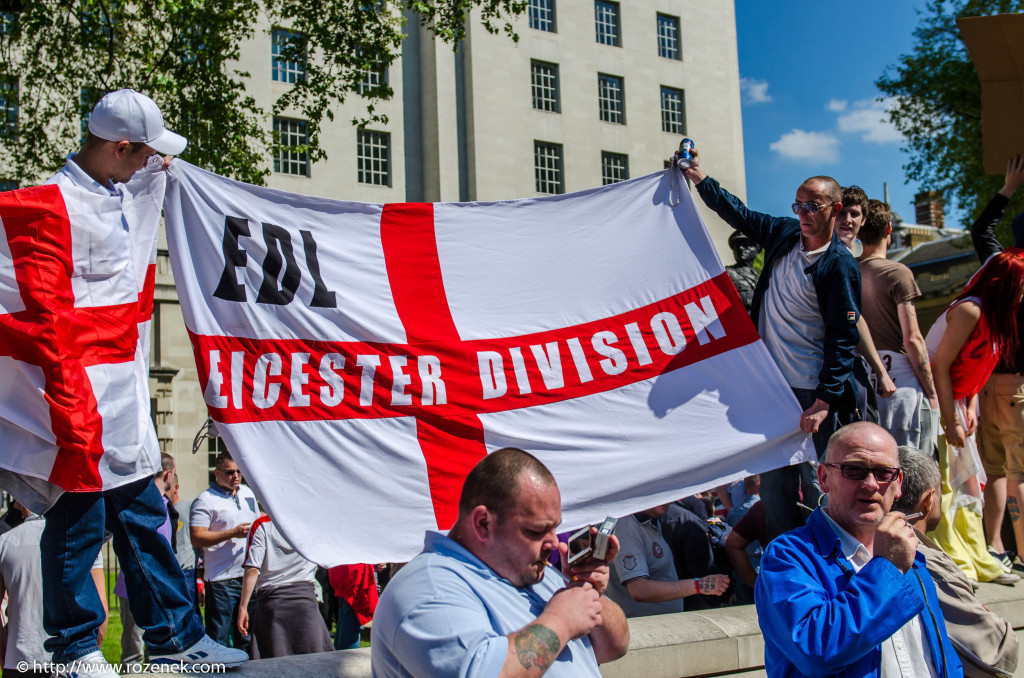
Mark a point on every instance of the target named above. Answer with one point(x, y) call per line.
point(359, 359)
point(76, 300)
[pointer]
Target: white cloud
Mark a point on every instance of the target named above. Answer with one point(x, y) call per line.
point(869, 119)
point(754, 91)
point(807, 147)
point(836, 105)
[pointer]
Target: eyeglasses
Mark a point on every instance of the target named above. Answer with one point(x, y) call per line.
point(230, 473)
point(809, 207)
point(883, 474)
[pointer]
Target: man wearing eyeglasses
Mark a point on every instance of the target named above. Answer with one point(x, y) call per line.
point(219, 524)
point(806, 305)
point(848, 594)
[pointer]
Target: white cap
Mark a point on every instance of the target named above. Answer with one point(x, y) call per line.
point(127, 115)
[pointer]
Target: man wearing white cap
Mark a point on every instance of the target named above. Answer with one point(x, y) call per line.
point(126, 132)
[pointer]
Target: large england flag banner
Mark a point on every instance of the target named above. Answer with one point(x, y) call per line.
point(77, 269)
point(359, 359)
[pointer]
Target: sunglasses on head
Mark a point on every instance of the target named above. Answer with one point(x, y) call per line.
point(883, 474)
point(809, 207)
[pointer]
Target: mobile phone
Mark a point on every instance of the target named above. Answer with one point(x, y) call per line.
point(581, 546)
point(601, 539)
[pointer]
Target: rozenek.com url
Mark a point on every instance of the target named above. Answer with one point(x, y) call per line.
point(60, 668)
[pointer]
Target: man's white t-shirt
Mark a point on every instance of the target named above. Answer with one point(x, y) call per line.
point(791, 324)
point(217, 509)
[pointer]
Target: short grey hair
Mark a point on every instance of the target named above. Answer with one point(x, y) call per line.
point(920, 474)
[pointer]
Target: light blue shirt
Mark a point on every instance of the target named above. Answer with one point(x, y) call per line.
point(447, 614)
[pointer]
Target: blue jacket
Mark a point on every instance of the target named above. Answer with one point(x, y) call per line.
point(836, 279)
point(820, 619)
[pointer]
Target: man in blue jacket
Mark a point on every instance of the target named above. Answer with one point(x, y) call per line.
point(806, 305)
point(848, 594)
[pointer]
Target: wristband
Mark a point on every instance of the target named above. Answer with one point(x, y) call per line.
point(696, 584)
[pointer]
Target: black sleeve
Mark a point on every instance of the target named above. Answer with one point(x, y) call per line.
point(840, 314)
point(691, 550)
point(757, 226)
point(983, 230)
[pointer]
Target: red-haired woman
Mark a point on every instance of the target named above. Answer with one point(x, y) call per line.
point(965, 344)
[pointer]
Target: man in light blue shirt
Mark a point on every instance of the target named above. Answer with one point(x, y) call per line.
point(483, 601)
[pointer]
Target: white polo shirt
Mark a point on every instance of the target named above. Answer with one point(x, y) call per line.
point(217, 509)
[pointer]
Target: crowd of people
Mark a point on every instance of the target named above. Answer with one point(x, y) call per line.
point(889, 512)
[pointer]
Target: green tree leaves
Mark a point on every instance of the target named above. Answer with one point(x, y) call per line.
point(185, 53)
point(938, 106)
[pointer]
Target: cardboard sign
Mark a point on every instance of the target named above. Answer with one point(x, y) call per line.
point(996, 46)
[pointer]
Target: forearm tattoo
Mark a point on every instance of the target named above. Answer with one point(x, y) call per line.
point(926, 377)
point(1013, 509)
point(537, 646)
point(706, 584)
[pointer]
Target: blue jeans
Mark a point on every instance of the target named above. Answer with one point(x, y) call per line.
point(782, 488)
point(346, 632)
point(222, 598)
point(72, 610)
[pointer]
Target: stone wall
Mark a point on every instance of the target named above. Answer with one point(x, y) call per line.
point(719, 642)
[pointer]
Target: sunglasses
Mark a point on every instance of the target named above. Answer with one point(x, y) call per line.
point(809, 207)
point(230, 473)
point(883, 474)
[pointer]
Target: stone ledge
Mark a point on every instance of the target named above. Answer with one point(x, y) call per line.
point(728, 640)
point(723, 641)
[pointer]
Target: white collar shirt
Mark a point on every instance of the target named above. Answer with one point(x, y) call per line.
point(905, 654)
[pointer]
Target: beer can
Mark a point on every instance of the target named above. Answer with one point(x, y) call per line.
point(685, 153)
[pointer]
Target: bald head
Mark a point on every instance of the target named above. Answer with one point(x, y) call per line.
point(860, 435)
point(826, 186)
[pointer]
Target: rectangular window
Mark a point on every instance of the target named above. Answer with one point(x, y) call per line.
point(668, 37)
point(547, 167)
point(542, 15)
point(95, 24)
point(611, 98)
point(288, 50)
point(7, 20)
point(292, 154)
point(8, 108)
point(614, 167)
point(544, 81)
point(606, 20)
point(673, 110)
point(8, 185)
point(373, 76)
point(373, 157)
point(88, 97)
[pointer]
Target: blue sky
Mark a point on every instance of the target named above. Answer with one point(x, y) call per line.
point(808, 93)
